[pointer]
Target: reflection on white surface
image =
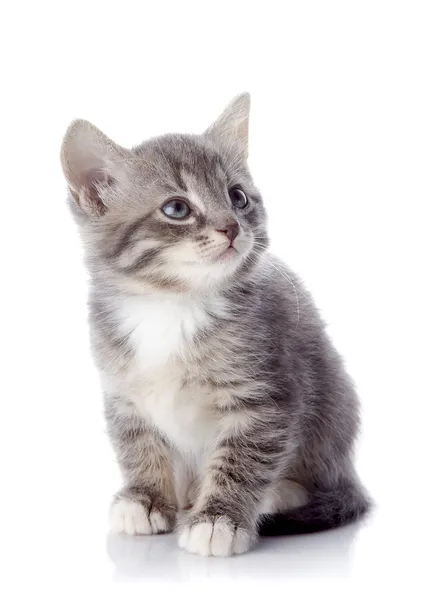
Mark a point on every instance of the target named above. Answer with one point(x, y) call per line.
point(318, 555)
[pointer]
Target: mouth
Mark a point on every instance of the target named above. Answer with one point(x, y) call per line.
point(228, 253)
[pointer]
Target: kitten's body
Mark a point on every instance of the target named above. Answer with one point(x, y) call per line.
point(221, 387)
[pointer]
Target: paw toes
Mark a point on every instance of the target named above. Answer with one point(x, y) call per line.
point(242, 541)
point(184, 537)
point(199, 539)
point(215, 538)
point(131, 517)
point(159, 523)
point(222, 539)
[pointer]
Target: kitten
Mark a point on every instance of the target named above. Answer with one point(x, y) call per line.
point(222, 390)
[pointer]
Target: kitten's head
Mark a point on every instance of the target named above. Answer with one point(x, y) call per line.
point(179, 212)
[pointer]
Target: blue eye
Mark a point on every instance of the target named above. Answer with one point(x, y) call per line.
point(238, 198)
point(176, 209)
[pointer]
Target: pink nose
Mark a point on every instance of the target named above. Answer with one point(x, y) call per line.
point(231, 230)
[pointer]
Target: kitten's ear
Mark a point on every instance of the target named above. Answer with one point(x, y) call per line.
point(232, 126)
point(91, 162)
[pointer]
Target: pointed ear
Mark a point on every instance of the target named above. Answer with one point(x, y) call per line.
point(91, 163)
point(232, 127)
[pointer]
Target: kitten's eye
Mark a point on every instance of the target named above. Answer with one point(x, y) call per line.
point(238, 197)
point(176, 209)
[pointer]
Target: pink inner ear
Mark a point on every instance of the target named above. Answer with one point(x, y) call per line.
point(90, 193)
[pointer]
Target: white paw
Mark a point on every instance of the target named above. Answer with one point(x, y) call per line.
point(219, 538)
point(132, 517)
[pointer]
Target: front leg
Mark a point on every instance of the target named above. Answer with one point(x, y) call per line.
point(246, 461)
point(146, 504)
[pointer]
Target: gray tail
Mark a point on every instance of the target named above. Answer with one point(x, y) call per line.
point(326, 509)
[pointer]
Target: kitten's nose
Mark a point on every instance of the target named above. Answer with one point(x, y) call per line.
point(231, 230)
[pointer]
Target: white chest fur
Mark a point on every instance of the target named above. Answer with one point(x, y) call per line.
point(160, 329)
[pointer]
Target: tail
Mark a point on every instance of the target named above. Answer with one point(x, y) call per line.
point(325, 510)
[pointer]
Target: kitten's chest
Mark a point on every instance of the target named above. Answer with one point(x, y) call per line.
point(162, 333)
point(184, 414)
point(161, 330)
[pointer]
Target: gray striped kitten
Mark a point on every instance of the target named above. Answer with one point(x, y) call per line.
point(228, 407)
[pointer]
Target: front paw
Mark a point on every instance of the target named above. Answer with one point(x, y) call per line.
point(141, 516)
point(215, 536)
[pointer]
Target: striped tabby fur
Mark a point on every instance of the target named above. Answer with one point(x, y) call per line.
point(223, 394)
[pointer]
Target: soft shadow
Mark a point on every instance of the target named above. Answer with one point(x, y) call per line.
point(321, 555)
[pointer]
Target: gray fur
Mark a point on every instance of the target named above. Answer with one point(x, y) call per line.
point(265, 363)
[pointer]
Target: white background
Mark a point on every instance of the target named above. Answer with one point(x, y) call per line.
point(342, 147)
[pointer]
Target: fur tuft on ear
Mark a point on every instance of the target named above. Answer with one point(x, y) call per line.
point(89, 161)
point(232, 127)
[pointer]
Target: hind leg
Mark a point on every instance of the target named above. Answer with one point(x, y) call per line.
point(284, 495)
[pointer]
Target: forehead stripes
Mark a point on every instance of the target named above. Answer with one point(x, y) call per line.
point(187, 159)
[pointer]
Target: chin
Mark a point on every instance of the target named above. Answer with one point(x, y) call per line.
point(229, 255)
point(208, 276)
